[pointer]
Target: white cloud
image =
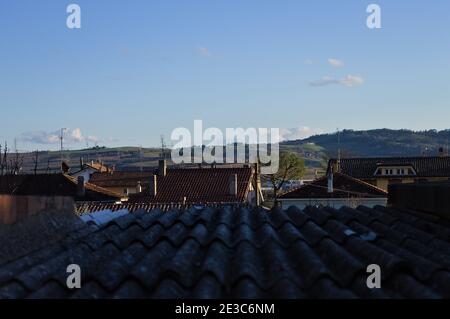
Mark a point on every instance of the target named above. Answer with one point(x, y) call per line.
point(204, 51)
point(335, 63)
point(309, 62)
point(298, 133)
point(349, 81)
point(352, 80)
point(71, 136)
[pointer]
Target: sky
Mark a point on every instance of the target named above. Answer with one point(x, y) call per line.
point(138, 69)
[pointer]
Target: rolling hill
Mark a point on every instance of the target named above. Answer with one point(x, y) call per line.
point(381, 142)
point(315, 149)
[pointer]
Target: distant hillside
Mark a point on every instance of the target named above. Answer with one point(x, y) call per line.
point(380, 142)
point(315, 150)
point(123, 158)
point(134, 158)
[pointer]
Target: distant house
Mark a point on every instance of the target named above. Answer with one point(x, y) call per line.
point(382, 172)
point(56, 185)
point(335, 190)
point(183, 185)
point(88, 169)
point(125, 183)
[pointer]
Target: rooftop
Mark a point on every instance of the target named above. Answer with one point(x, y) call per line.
point(53, 185)
point(190, 185)
point(344, 186)
point(240, 253)
point(427, 166)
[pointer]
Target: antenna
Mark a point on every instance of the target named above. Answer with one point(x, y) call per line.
point(140, 158)
point(163, 148)
point(61, 137)
point(339, 151)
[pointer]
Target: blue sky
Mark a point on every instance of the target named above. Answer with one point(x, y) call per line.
point(138, 69)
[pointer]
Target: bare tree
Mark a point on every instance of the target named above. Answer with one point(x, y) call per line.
point(47, 171)
point(16, 162)
point(4, 159)
point(290, 167)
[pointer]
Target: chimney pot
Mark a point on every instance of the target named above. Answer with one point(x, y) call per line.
point(330, 183)
point(233, 185)
point(139, 188)
point(162, 168)
point(153, 185)
point(81, 189)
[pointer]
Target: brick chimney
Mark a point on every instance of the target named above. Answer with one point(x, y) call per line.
point(81, 189)
point(162, 168)
point(153, 189)
point(233, 185)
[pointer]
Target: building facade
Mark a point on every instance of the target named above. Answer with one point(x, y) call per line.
point(382, 172)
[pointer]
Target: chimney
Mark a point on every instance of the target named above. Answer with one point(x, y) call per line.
point(139, 188)
point(233, 185)
point(330, 183)
point(162, 168)
point(257, 185)
point(153, 185)
point(81, 190)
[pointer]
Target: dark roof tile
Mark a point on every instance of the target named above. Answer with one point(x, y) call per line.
point(13, 290)
point(130, 289)
point(50, 290)
point(208, 287)
point(235, 252)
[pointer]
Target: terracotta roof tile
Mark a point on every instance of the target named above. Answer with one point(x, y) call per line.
point(197, 185)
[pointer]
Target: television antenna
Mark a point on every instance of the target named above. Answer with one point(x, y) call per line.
point(163, 148)
point(61, 137)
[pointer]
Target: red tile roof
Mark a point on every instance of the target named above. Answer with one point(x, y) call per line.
point(53, 185)
point(120, 179)
point(344, 186)
point(198, 185)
